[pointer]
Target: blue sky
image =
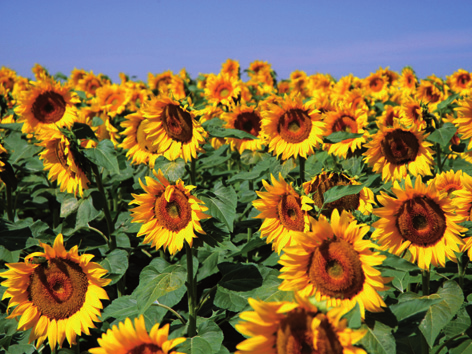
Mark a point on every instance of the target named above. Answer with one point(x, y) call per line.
point(335, 37)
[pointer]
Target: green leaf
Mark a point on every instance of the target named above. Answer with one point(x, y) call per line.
point(440, 314)
point(16, 127)
point(116, 263)
point(122, 307)
point(87, 211)
point(447, 102)
point(338, 192)
point(379, 340)
point(443, 135)
point(231, 300)
point(172, 170)
point(410, 304)
point(104, 155)
point(337, 137)
point(213, 128)
point(464, 348)
point(160, 279)
point(239, 277)
point(459, 325)
point(83, 131)
point(221, 204)
point(69, 205)
point(97, 121)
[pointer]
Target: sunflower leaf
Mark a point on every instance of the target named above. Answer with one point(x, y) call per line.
point(440, 314)
point(337, 137)
point(337, 192)
point(215, 129)
point(221, 204)
point(379, 339)
point(104, 155)
point(209, 339)
point(239, 277)
point(443, 135)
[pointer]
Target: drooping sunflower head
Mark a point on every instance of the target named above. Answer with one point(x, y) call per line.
point(222, 89)
point(293, 127)
point(58, 298)
point(362, 201)
point(419, 219)
point(283, 211)
point(46, 104)
point(335, 264)
point(396, 151)
point(129, 338)
point(169, 213)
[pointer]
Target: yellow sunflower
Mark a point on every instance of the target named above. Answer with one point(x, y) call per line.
point(222, 89)
point(396, 151)
point(248, 119)
point(173, 129)
point(89, 83)
point(463, 122)
point(112, 99)
point(293, 128)
point(419, 219)
point(460, 82)
point(169, 213)
point(160, 82)
point(389, 115)
point(295, 327)
point(362, 201)
point(126, 338)
point(450, 182)
point(231, 67)
point(376, 86)
point(46, 104)
point(411, 113)
point(429, 93)
point(137, 142)
point(106, 130)
point(58, 298)
point(7, 78)
point(61, 162)
point(346, 118)
point(335, 264)
point(408, 81)
point(283, 211)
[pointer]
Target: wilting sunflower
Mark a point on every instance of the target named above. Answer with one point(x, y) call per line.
point(419, 219)
point(283, 211)
point(346, 118)
point(362, 201)
point(58, 297)
point(128, 339)
point(395, 151)
point(137, 142)
point(63, 164)
point(46, 104)
point(222, 89)
point(293, 128)
point(173, 129)
point(248, 119)
point(169, 213)
point(335, 264)
point(295, 327)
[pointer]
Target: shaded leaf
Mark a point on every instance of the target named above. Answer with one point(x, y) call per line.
point(338, 192)
point(172, 170)
point(379, 340)
point(221, 204)
point(104, 155)
point(337, 137)
point(116, 263)
point(443, 135)
point(239, 277)
point(410, 304)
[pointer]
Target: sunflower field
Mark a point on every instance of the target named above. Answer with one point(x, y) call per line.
point(235, 213)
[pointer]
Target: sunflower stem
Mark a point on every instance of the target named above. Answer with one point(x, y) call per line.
point(106, 210)
point(191, 294)
point(193, 177)
point(10, 213)
point(171, 310)
point(425, 282)
point(301, 160)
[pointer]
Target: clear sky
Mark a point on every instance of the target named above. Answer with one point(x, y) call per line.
point(137, 37)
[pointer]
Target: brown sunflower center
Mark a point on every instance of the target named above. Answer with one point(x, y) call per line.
point(463, 80)
point(336, 269)
point(177, 123)
point(143, 142)
point(295, 126)
point(421, 221)
point(294, 335)
point(345, 124)
point(174, 214)
point(146, 348)
point(49, 107)
point(376, 84)
point(249, 122)
point(400, 147)
point(327, 341)
point(431, 95)
point(290, 213)
point(58, 288)
point(323, 183)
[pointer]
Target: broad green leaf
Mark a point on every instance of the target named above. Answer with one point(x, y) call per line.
point(439, 315)
point(443, 135)
point(464, 348)
point(104, 155)
point(16, 127)
point(209, 266)
point(122, 307)
point(9, 256)
point(447, 102)
point(269, 290)
point(459, 324)
point(231, 300)
point(209, 339)
point(195, 345)
point(87, 211)
point(172, 170)
point(221, 204)
point(69, 205)
point(337, 137)
point(410, 304)
point(214, 129)
point(338, 192)
point(239, 277)
point(379, 340)
point(116, 263)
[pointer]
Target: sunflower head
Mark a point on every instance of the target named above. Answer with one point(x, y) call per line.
point(222, 89)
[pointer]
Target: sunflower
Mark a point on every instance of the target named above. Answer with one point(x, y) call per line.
point(395, 151)
point(428, 92)
point(231, 67)
point(408, 81)
point(160, 82)
point(46, 104)
point(62, 162)
point(58, 298)
point(411, 113)
point(258, 66)
point(103, 131)
point(460, 81)
point(362, 201)
point(450, 182)
point(419, 219)
point(169, 213)
point(89, 83)
point(222, 89)
point(346, 118)
point(376, 86)
point(293, 127)
point(137, 142)
point(126, 338)
point(7, 78)
point(112, 99)
point(295, 327)
point(173, 129)
point(335, 264)
point(389, 115)
point(283, 211)
point(463, 122)
point(248, 119)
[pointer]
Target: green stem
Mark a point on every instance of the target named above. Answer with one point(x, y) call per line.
point(191, 294)
point(10, 213)
point(425, 282)
point(171, 310)
point(106, 210)
point(193, 174)
point(302, 169)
